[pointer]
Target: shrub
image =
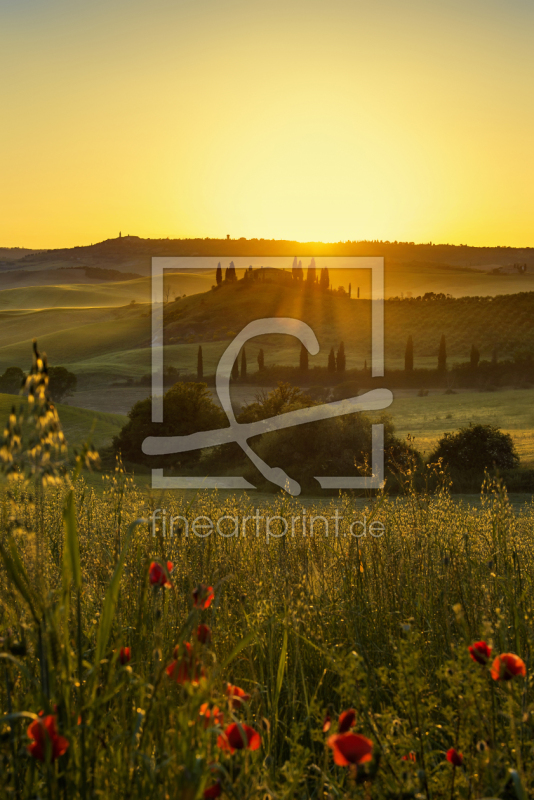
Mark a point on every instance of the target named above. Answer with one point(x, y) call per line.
point(61, 383)
point(187, 408)
point(476, 449)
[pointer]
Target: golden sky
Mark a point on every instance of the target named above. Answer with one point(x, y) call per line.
point(310, 120)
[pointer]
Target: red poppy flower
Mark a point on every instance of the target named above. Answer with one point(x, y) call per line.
point(213, 791)
point(480, 652)
point(350, 748)
point(236, 695)
point(411, 756)
point(157, 575)
point(454, 757)
point(203, 596)
point(125, 655)
point(184, 669)
point(346, 720)
point(326, 724)
point(507, 666)
point(211, 716)
point(234, 738)
point(40, 731)
point(204, 634)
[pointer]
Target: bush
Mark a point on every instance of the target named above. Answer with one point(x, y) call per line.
point(476, 449)
point(187, 408)
point(338, 446)
point(61, 383)
point(11, 381)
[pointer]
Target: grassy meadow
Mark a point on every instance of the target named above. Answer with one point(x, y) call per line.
point(307, 626)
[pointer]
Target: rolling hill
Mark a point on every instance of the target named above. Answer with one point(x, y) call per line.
point(77, 423)
point(503, 322)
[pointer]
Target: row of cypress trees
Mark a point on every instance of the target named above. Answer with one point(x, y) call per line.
point(474, 356)
point(336, 362)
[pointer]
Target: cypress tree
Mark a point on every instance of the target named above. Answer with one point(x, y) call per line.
point(230, 273)
point(474, 357)
point(408, 355)
point(200, 365)
point(243, 364)
point(261, 360)
point(331, 360)
point(235, 370)
point(350, 290)
point(303, 358)
point(442, 355)
point(340, 360)
point(218, 274)
point(311, 272)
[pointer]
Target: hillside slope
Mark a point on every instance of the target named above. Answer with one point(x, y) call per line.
point(77, 423)
point(504, 322)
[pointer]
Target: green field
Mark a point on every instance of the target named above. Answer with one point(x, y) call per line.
point(428, 418)
point(78, 424)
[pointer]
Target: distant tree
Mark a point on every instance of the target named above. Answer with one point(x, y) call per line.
point(235, 370)
point(358, 292)
point(261, 360)
point(475, 449)
point(331, 360)
point(11, 381)
point(294, 269)
point(442, 355)
point(303, 358)
point(338, 446)
point(200, 365)
point(474, 357)
point(350, 290)
point(408, 355)
point(218, 274)
point(187, 408)
point(324, 281)
point(226, 273)
point(231, 276)
point(243, 364)
point(61, 383)
point(310, 278)
point(340, 358)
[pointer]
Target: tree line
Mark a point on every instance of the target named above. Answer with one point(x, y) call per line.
point(336, 362)
point(474, 356)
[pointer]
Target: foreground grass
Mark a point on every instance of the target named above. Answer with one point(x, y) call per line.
point(306, 625)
